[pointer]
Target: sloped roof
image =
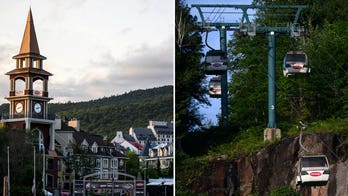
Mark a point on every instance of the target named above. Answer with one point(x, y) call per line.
point(29, 44)
point(137, 145)
point(29, 70)
point(79, 136)
point(144, 134)
point(147, 147)
point(128, 137)
point(166, 128)
point(160, 182)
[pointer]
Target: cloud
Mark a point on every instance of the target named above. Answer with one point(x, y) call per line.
point(125, 31)
point(6, 50)
point(93, 49)
point(146, 67)
point(6, 62)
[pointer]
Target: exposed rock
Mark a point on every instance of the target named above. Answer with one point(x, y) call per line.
point(277, 165)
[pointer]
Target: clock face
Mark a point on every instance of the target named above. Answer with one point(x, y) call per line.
point(19, 107)
point(37, 107)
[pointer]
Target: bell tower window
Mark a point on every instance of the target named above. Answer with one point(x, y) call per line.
point(19, 86)
point(38, 87)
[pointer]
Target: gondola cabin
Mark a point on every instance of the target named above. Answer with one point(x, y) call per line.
point(295, 62)
point(215, 62)
point(313, 171)
point(215, 87)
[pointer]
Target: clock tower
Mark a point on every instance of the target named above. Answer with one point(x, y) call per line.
point(28, 94)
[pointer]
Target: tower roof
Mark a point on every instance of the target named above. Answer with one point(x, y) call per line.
point(29, 46)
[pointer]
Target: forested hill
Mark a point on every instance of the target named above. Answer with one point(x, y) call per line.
point(117, 113)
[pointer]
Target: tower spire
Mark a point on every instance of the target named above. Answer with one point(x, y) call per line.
point(29, 45)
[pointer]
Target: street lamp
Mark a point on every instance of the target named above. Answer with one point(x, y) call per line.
point(8, 171)
point(34, 181)
point(144, 168)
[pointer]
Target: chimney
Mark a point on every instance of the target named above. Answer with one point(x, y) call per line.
point(74, 123)
point(105, 140)
point(58, 124)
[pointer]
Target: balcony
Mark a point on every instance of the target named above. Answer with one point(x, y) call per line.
point(29, 92)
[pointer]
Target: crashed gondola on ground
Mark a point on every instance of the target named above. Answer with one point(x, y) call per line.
point(295, 62)
point(215, 87)
point(313, 171)
point(216, 62)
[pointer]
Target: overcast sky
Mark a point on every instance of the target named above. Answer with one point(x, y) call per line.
point(94, 48)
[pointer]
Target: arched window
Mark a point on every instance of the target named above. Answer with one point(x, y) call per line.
point(19, 86)
point(38, 87)
point(38, 139)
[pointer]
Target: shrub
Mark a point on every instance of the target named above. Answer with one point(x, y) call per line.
point(284, 190)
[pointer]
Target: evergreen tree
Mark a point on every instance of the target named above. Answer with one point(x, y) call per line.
point(318, 95)
point(189, 73)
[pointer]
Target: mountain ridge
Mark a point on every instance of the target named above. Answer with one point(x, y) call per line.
point(118, 112)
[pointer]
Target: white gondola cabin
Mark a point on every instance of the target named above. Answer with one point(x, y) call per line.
point(216, 62)
point(215, 87)
point(313, 171)
point(295, 62)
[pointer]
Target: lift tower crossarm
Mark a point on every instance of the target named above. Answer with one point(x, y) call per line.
point(245, 16)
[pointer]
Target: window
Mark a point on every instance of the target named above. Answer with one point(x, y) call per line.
point(105, 174)
point(38, 87)
point(19, 86)
point(94, 149)
point(84, 147)
point(114, 163)
point(114, 174)
point(105, 163)
point(98, 163)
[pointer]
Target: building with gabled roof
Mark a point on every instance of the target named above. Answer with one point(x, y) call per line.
point(162, 153)
point(87, 153)
point(127, 142)
point(162, 130)
point(142, 135)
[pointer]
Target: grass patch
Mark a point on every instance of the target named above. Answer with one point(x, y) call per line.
point(251, 140)
point(332, 125)
point(245, 142)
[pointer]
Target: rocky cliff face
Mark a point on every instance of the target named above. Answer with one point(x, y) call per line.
point(277, 165)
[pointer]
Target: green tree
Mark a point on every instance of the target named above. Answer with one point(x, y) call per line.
point(189, 73)
point(132, 163)
point(21, 159)
point(318, 95)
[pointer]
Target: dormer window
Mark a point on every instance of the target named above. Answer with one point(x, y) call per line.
point(94, 149)
point(84, 147)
